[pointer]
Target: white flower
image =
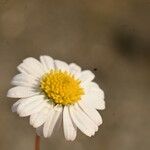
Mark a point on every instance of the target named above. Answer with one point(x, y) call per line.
point(52, 91)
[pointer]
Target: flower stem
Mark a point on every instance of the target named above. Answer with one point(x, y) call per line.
point(37, 142)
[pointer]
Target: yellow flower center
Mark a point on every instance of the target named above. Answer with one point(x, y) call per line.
point(61, 87)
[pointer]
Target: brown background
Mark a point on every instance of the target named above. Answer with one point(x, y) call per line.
point(110, 37)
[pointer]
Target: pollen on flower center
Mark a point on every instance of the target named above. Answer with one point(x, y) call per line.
point(61, 87)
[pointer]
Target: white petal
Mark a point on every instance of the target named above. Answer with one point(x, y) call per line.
point(87, 119)
point(37, 119)
point(94, 99)
point(58, 124)
point(94, 96)
point(82, 121)
point(39, 130)
point(15, 105)
point(61, 65)
point(31, 105)
point(89, 85)
point(86, 76)
point(75, 69)
point(47, 62)
point(70, 130)
point(25, 80)
point(31, 66)
point(94, 86)
point(91, 112)
point(21, 92)
point(52, 119)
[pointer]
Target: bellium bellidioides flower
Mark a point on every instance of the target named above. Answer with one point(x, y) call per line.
point(51, 91)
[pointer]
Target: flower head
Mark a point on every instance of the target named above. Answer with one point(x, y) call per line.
point(52, 91)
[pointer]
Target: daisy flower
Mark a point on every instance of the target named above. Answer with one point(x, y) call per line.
point(53, 91)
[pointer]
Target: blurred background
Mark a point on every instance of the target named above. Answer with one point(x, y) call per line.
point(110, 37)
